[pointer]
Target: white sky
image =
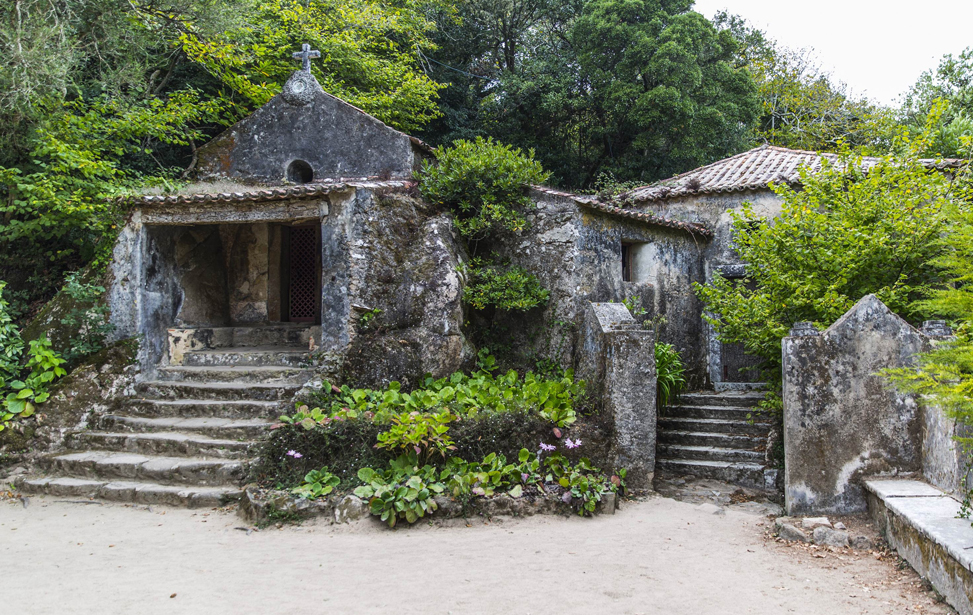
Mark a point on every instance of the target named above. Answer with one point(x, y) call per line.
point(877, 47)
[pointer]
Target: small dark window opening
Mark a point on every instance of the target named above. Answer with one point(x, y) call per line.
point(300, 172)
point(627, 262)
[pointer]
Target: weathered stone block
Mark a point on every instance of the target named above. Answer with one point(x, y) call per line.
point(842, 419)
point(618, 361)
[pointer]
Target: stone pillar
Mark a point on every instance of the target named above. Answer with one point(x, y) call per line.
point(618, 361)
point(842, 419)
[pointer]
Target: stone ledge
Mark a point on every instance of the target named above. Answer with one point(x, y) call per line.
point(259, 505)
point(920, 522)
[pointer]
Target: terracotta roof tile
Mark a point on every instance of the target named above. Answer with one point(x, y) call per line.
point(258, 195)
point(752, 170)
point(590, 202)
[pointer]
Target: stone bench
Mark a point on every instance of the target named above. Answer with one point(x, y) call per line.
point(921, 523)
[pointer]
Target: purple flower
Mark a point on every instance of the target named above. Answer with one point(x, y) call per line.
point(575, 444)
point(547, 447)
point(294, 454)
point(524, 476)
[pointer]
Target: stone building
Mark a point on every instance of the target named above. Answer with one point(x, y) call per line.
point(305, 253)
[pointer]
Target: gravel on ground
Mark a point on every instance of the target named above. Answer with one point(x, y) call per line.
point(659, 555)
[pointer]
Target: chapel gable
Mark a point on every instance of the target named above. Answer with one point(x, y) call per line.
point(303, 135)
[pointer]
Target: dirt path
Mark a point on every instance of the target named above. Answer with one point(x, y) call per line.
point(656, 556)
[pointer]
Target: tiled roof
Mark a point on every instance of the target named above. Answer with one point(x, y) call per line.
point(752, 170)
point(648, 218)
point(590, 202)
point(259, 195)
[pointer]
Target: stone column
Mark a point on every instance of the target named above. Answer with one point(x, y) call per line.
point(618, 361)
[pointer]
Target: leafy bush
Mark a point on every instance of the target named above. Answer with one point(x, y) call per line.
point(670, 372)
point(466, 396)
point(403, 491)
point(944, 375)
point(425, 434)
point(90, 321)
point(23, 384)
point(317, 483)
point(846, 234)
point(485, 183)
point(504, 287)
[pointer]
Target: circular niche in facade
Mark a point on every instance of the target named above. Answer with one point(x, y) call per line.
point(300, 172)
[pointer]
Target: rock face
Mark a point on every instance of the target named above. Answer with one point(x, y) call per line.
point(409, 295)
point(842, 420)
point(98, 385)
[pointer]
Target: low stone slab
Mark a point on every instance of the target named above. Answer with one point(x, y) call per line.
point(264, 506)
point(921, 522)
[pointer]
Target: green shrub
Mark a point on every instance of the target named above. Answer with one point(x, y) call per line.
point(403, 491)
point(23, 384)
point(424, 434)
point(89, 317)
point(670, 372)
point(503, 287)
point(485, 183)
point(845, 234)
point(466, 396)
point(317, 483)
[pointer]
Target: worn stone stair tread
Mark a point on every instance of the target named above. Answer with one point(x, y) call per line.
point(179, 423)
point(743, 398)
point(165, 435)
point(216, 403)
point(210, 369)
point(233, 386)
point(112, 465)
point(681, 419)
point(143, 492)
point(719, 408)
point(691, 448)
point(265, 349)
point(125, 458)
point(705, 463)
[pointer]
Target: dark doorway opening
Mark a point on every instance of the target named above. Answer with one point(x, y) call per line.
point(301, 274)
point(736, 365)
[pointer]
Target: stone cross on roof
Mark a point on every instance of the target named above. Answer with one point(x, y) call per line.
point(305, 55)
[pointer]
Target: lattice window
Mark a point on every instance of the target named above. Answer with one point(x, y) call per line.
point(303, 282)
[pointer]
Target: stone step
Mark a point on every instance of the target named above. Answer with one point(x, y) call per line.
point(159, 443)
point(678, 452)
point(137, 492)
point(223, 428)
point(741, 399)
point(294, 335)
point(129, 466)
point(719, 440)
point(267, 374)
point(733, 413)
point(738, 427)
point(207, 408)
point(255, 356)
point(738, 473)
point(259, 391)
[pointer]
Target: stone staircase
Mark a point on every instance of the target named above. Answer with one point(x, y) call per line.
point(186, 436)
point(708, 435)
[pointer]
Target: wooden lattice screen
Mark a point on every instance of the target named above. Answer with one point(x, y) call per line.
point(303, 275)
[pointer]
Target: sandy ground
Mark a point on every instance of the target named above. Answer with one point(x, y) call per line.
point(654, 556)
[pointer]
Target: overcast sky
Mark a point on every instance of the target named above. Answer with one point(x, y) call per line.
point(878, 47)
